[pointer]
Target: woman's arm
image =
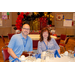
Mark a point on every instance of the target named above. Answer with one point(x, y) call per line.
point(39, 50)
point(59, 51)
point(56, 46)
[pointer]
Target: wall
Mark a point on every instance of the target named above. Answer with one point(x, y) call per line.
point(14, 18)
point(6, 25)
point(60, 29)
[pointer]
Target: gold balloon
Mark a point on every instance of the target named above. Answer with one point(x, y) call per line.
point(36, 25)
point(47, 15)
point(50, 19)
point(51, 16)
point(35, 13)
point(45, 12)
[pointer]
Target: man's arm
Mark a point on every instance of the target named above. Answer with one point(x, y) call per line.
point(11, 52)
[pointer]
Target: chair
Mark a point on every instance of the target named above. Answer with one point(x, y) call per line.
point(58, 41)
point(63, 37)
point(64, 44)
point(5, 53)
point(10, 35)
point(4, 40)
point(35, 44)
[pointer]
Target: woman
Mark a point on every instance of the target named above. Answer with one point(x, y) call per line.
point(46, 42)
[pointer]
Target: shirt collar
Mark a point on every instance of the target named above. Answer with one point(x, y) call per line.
point(23, 37)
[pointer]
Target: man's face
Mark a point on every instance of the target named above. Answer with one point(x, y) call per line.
point(25, 29)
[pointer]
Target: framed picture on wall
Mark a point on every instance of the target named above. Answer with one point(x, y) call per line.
point(59, 17)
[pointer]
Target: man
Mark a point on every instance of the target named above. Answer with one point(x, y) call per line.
point(19, 43)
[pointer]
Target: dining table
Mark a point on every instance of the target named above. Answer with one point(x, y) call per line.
point(63, 58)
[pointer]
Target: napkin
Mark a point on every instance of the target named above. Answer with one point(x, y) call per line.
point(56, 53)
point(38, 56)
point(74, 54)
point(16, 60)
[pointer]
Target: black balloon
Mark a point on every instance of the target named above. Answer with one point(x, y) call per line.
point(49, 12)
point(32, 17)
point(41, 14)
point(48, 19)
point(18, 13)
point(28, 18)
point(15, 28)
point(23, 19)
point(24, 16)
point(49, 22)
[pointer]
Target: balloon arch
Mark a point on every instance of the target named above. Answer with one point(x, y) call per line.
point(36, 20)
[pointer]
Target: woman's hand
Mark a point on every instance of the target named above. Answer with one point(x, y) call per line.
point(59, 51)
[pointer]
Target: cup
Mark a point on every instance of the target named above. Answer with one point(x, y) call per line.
point(66, 53)
point(22, 58)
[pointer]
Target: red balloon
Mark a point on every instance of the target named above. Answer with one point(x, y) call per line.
point(18, 27)
point(17, 21)
point(18, 16)
point(45, 18)
point(27, 13)
point(16, 24)
point(22, 13)
point(22, 17)
point(20, 21)
point(50, 25)
point(42, 18)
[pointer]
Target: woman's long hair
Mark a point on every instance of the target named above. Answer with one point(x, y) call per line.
point(41, 34)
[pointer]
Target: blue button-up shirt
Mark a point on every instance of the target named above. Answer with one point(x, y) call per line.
point(19, 44)
point(52, 45)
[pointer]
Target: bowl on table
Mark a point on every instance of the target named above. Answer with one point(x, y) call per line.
point(26, 54)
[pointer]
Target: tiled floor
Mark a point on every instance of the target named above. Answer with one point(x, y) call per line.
point(70, 45)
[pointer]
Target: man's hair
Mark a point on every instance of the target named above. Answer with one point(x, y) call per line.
point(25, 24)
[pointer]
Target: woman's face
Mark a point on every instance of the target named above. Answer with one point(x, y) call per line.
point(45, 34)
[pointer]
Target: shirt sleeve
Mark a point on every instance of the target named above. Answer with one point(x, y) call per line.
point(56, 45)
point(31, 46)
point(39, 50)
point(12, 42)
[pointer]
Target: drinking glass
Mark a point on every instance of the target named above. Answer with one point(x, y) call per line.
point(29, 57)
point(72, 54)
point(34, 58)
point(43, 56)
point(51, 53)
point(69, 53)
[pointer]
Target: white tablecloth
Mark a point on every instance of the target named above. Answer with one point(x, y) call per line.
point(62, 59)
point(37, 36)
